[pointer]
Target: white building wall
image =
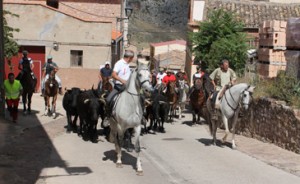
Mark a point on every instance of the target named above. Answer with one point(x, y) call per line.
point(198, 10)
point(43, 26)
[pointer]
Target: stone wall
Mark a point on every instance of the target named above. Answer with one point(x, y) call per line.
point(272, 121)
point(157, 20)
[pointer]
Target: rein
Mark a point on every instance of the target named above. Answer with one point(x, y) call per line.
point(141, 83)
point(238, 104)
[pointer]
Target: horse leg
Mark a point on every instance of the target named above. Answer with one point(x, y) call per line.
point(235, 118)
point(225, 121)
point(138, 150)
point(53, 110)
point(179, 112)
point(118, 145)
point(24, 100)
point(29, 102)
point(46, 105)
point(194, 116)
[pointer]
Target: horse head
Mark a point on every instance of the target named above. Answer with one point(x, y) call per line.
point(143, 75)
point(171, 87)
point(106, 86)
point(246, 96)
point(51, 79)
point(198, 83)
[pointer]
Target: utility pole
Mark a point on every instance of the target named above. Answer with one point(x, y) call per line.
point(2, 101)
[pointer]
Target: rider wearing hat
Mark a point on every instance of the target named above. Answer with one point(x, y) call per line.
point(105, 71)
point(24, 63)
point(168, 78)
point(47, 69)
point(198, 75)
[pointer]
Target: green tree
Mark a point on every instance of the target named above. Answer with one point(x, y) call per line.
point(11, 47)
point(220, 36)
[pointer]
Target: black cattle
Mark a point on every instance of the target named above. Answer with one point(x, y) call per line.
point(89, 108)
point(160, 109)
point(70, 105)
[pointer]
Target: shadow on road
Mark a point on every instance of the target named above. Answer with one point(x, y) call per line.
point(26, 147)
point(208, 142)
point(127, 159)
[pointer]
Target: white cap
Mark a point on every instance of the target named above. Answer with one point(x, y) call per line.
point(107, 63)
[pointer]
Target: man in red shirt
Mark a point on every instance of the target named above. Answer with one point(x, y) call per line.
point(169, 77)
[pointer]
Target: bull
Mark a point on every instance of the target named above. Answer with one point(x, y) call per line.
point(89, 108)
point(70, 105)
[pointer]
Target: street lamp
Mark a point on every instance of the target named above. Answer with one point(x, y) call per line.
point(128, 12)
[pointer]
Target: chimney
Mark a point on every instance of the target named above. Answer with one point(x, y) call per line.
point(53, 3)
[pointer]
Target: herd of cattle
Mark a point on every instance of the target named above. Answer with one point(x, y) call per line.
point(89, 106)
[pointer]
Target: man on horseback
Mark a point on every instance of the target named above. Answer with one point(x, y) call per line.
point(222, 78)
point(106, 71)
point(198, 75)
point(168, 78)
point(120, 74)
point(25, 63)
point(159, 77)
point(47, 69)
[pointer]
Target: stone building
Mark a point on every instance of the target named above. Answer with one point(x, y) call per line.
point(251, 12)
point(79, 35)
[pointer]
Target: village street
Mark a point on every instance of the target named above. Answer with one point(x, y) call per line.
point(39, 146)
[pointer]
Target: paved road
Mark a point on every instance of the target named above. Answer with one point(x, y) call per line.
point(38, 150)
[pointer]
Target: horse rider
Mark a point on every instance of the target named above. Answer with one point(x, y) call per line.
point(161, 74)
point(25, 63)
point(198, 75)
point(106, 71)
point(120, 74)
point(222, 78)
point(13, 90)
point(170, 77)
point(47, 69)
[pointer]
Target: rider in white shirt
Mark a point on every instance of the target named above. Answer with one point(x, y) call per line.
point(121, 74)
point(160, 76)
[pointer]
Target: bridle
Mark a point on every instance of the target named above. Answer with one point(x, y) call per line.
point(141, 83)
point(239, 103)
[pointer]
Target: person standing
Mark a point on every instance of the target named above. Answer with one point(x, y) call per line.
point(47, 69)
point(12, 90)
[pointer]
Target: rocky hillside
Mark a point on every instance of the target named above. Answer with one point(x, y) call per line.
point(157, 20)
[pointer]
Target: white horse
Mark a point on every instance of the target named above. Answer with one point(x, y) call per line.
point(127, 112)
point(183, 87)
point(228, 107)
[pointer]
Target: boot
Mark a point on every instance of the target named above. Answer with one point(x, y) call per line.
point(60, 91)
point(43, 93)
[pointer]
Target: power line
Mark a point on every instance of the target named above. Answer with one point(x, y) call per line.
point(88, 12)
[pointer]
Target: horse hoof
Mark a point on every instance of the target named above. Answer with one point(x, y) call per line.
point(119, 165)
point(140, 173)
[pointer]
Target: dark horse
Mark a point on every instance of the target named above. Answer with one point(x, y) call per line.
point(197, 100)
point(51, 90)
point(28, 84)
point(172, 98)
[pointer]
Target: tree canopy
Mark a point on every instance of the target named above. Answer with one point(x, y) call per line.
point(11, 47)
point(220, 37)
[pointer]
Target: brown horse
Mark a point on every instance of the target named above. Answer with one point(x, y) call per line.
point(106, 85)
point(51, 90)
point(172, 98)
point(197, 100)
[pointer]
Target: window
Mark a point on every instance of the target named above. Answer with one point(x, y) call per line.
point(76, 57)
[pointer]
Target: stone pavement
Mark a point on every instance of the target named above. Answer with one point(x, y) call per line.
point(25, 147)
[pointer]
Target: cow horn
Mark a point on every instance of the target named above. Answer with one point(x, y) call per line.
point(161, 102)
point(86, 101)
point(148, 102)
point(102, 100)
